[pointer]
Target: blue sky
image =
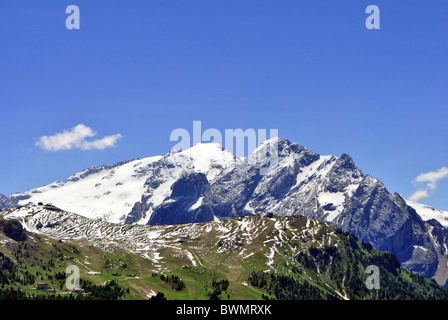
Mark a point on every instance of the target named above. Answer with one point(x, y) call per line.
point(311, 69)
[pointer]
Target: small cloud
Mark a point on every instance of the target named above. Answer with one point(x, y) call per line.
point(75, 138)
point(419, 195)
point(430, 178)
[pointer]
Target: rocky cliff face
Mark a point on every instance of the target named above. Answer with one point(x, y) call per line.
point(189, 201)
point(7, 202)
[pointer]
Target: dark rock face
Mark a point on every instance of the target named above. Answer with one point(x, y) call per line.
point(228, 199)
point(188, 201)
point(372, 214)
point(439, 236)
point(385, 220)
point(142, 208)
point(13, 229)
point(137, 212)
point(178, 211)
point(190, 185)
point(342, 174)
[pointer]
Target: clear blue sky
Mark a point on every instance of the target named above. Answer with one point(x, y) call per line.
point(310, 69)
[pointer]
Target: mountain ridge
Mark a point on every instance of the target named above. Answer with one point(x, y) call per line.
point(206, 182)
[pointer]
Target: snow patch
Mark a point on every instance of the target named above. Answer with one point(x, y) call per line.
point(336, 199)
point(428, 213)
point(197, 204)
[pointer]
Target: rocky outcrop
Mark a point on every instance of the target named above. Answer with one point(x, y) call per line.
point(8, 202)
point(189, 201)
point(13, 229)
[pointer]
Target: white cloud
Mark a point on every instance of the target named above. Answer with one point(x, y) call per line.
point(430, 178)
point(419, 195)
point(75, 138)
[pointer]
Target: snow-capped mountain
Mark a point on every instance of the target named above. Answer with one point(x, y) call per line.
point(427, 213)
point(103, 192)
point(206, 183)
point(110, 192)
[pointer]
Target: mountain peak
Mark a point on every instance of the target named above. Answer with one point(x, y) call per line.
point(204, 148)
point(427, 212)
point(346, 162)
point(270, 143)
point(204, 156)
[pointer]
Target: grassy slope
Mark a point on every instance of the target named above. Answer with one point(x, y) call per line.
point(294, 259)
